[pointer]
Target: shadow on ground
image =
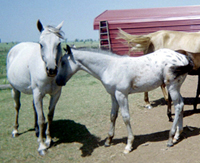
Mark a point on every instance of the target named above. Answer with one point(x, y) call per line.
point(68, 131)
point(187, 101)
point(156, 137)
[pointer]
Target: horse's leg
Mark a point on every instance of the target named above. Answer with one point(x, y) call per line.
point(123, 104)
point(197, 93)
point(179, 129)
point(169, 107)
point(52, 105)
point(113, 117)
point(37, 98)
point(146, 99)
point(177, 126)
point(16, 96)
point(164, 92)
point(36, 121)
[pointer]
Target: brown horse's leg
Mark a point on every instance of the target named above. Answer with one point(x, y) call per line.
point(164, 92)
point(169, 102)
point(146, 99)
point(16, 96)
point(197, 93)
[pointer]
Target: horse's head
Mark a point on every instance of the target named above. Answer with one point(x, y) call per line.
point(50, 46)
point(67, 68)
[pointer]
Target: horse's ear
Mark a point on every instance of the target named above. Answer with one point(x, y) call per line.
point(69, 52)
point(40, 26)
point(59, 26)
point(68, 49)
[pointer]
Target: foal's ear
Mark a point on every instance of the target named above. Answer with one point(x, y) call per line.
point(40, 26)
point(68, 50)
point(59, 26)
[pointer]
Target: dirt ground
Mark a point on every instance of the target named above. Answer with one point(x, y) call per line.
point(78, 140)
point(151, 129)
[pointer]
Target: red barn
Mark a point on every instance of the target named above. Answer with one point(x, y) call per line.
point(144, 21)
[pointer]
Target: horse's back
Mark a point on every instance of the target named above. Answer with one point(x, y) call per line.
point(175, 40)
point(151, 70)
point(22, 50)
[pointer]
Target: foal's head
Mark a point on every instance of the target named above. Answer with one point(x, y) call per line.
point(67, 68)
point(50, 46)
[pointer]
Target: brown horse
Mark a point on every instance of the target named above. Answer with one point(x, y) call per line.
point(175, 40)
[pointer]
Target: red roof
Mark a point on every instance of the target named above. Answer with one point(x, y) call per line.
point(144, 21)
point(148, 15)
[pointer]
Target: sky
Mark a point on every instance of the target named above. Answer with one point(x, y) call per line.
point(18, 18)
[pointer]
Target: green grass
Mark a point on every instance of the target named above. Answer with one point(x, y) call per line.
point(4, 48)
point(69, 122)
point(81, 121)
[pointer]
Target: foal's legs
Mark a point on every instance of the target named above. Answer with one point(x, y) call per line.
point(52, 105)
point(169, 108)
point(113, 117)
point(177, 126)
point(16, 96)
point(123, 104)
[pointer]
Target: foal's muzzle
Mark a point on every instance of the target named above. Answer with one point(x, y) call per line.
point(52, 72)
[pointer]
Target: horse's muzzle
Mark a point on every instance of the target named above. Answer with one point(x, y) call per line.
point(52, 72)
point(60, 81)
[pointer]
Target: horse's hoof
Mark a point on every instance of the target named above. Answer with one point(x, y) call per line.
point(148, 106)
point(107, 145)
point(42, 152)
point(170, 145)
point(108, 142)
point(175, 140)
point(15, 134)
point(49, 143)
point(42, 148)
point(126, 151)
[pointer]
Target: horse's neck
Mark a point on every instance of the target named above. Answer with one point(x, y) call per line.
point(93, 63)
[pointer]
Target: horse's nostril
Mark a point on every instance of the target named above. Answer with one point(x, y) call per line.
point(52, 72)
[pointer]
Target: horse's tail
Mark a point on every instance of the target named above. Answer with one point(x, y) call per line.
point(136, 42)
point(180, 70)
